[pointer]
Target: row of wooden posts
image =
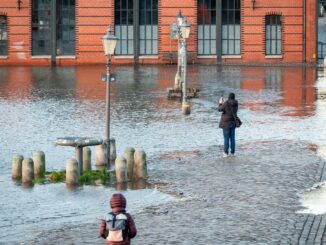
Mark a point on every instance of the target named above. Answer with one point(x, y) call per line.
point(129, 167)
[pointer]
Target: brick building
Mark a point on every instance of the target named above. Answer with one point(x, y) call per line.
point(41, 32)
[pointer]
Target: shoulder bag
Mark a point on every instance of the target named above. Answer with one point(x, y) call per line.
point(236, 118)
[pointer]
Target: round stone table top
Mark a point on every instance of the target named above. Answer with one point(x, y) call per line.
point(78, 141)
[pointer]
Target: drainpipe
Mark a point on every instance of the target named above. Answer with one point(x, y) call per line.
point(136, 31)
point(304, 31)
point(54, 33)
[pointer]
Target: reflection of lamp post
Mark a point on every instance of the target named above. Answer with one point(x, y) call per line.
point(19, 2)
point(253, 3)
point(184, 31)
point(178, 74)
point(109, 42)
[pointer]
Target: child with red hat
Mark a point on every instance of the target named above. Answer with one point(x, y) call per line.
point(119, 227)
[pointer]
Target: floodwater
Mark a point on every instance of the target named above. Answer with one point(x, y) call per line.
point(314, 199)
point(40, 104)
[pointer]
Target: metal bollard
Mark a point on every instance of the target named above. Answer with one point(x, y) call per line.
point(16, 171)
point(121, 169)
point(129, 156)
point(87, 158)
point(27, 171)
point(113, 150)
point(186, 108)
point(72, 172)
point(39, 164)
point(140, 165)
point(101, 158)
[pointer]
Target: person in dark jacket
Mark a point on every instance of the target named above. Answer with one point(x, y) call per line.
point(229, 111)
point(118, 205)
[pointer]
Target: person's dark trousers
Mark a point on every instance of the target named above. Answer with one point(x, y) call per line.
point(229, 138)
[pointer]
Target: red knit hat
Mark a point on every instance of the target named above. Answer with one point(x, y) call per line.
point(118, 202)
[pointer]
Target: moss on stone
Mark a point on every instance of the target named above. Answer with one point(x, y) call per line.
point(57, 176)
point(91, 176)
point(41, 181)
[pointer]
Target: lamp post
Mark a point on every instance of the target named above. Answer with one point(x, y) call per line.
point(185, 32)
point(109, 42)
point(177, 79)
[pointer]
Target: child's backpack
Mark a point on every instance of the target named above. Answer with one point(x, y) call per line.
point(117, 227)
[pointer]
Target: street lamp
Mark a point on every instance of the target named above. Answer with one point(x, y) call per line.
point(109, 42)
point(178, 74)
point(185, 29)
point(185, 32)
point(179, 18)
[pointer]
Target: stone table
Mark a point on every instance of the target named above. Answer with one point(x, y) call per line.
point(78, 143)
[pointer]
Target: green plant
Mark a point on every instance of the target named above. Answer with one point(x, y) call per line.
point(90, 176)
point(41, 181)
point(57, 176)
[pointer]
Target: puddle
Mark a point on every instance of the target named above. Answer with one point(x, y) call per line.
point(314, 200)
point(321, 151)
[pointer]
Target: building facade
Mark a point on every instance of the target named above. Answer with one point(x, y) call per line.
point(68, 32)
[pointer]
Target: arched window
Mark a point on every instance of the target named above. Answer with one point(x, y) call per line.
point(148, 20)
point(3, 36)
point(41, 27)
point(230, 27)
point(66, 27)
point(136, 27)
point(218, 27)
point(273, 29)
point(207, 27)
point(124, 26)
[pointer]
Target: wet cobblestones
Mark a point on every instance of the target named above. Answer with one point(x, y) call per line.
point(314, 228)
point(249, 199)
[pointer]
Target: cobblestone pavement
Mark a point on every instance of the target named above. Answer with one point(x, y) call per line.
point(313, 230)
point(249, 199)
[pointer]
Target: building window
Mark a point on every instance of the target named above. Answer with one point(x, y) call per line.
point(3, 36)
point(207, 27)
point(148, 20)
point(41, 27)
point(66, 27)
point(273, 35)
point(230, 27)
point(41, 31)
point(124, 26)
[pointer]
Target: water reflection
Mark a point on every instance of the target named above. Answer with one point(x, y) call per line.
point(41, 104)
point(295, 85)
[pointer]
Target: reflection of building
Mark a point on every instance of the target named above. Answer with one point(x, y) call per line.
point(69, 32)
point(295, 84)
point(16, 82)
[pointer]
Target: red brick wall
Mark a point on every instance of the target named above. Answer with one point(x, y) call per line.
point(19, 29)
point(93, 17)
point(253, 30)
point(92, 21)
